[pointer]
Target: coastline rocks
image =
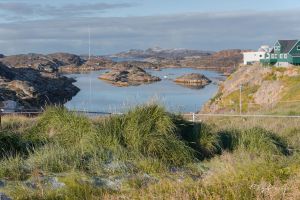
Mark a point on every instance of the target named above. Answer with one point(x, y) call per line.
point(128, 75)
point(31, 88)
point(193, 80)
point(45, 63)
point(66, 59)
point(35, 61)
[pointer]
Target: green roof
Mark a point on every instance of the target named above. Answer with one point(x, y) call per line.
point(287, 45)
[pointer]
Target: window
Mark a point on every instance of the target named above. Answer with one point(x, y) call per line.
point(285, 56)
point(281, 56)
point(298, 48)
point(272, 56)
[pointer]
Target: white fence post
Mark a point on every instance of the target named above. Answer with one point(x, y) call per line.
point(193, 117)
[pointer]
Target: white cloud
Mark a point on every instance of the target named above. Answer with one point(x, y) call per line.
point(206, 31)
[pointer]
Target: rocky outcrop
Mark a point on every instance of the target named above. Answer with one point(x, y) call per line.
point(248, 75)
point(46, 63)
point(261, 87)
point(30, 88)
point(268, 93)
point(92, 64)
point(35, 61)
point(224, 61)
point(1, 55)
point(157, 52)
point(63, 59)
point(193, 80)
point(128, 75)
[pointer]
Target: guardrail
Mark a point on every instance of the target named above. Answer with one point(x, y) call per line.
point(194, 115)
point(38, 112)
point(189, 116)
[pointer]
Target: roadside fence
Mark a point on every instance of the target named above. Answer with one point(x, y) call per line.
point(193, 117)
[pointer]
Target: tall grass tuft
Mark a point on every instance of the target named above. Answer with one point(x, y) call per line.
point(150, 130)
point(254, 140)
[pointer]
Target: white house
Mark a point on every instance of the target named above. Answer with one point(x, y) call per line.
point(256, 56)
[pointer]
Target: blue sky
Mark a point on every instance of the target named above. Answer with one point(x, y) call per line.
point(118, 25)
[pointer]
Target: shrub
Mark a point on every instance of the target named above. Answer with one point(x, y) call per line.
point(149, 130)
point(65, 128)
point(254, 140)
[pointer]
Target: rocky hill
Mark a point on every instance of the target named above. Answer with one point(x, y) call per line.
point(193, 80)
point(263, 89)
point(225, 60)
point(30, 88)
point(128, 75)
point(46, 63)
point(160, 53)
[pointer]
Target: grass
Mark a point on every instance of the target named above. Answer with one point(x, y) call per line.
point(154, 154)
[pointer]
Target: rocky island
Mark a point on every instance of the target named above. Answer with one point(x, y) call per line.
point(193, 80)
point(128, 76)
point(29, 88)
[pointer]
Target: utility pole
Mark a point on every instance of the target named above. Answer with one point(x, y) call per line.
point(1, 111)
point(240, 99)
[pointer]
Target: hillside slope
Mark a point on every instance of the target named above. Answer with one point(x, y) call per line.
point(264, 90)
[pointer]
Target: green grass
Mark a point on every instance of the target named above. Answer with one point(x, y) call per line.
point(217, 158)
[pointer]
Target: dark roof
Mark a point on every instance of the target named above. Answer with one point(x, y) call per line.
point(287, 45)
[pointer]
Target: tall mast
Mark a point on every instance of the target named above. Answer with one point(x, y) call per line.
point(89, 43)
point(90, 96)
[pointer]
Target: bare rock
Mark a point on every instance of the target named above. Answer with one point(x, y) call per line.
point(35, 61)
point(269, 93)
point(193, 80)
point(128, 75)
point(66, 59)
point(32, 89)
point(246, 75)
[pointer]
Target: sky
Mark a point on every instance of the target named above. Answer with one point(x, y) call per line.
point(35, 26)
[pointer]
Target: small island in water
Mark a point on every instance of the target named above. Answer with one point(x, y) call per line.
point(193, 80)
point(128, 75)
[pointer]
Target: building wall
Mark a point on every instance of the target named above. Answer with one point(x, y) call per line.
point(295, 59)
point(252, 57)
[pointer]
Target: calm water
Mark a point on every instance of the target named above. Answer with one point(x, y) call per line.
point(97, 95)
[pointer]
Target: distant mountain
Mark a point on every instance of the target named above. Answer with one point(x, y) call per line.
point(158, 52)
